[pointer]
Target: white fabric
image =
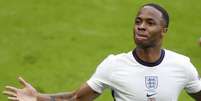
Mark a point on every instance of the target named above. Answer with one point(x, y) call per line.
point(130, 80)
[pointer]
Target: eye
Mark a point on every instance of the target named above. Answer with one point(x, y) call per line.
point(150, 23)
point(137, 21)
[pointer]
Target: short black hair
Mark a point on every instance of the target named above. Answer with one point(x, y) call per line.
point(165, 14)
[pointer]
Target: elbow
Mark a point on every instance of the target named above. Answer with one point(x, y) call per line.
point(77, 97)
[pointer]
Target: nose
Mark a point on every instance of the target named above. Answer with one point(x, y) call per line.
point(141, 27)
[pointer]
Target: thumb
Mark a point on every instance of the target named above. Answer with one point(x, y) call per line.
point(23, 82)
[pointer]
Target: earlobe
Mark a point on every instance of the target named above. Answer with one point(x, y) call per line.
point(165, 30)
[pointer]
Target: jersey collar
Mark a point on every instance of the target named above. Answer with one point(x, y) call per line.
point(152, 64)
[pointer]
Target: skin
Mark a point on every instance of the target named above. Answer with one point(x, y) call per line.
point(148, 34)
point(29, 93)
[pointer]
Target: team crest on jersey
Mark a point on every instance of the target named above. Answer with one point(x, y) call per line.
point(151, 82)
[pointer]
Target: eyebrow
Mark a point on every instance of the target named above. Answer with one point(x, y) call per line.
point(149, 19)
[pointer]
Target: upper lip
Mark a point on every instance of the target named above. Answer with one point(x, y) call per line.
point(141, 35)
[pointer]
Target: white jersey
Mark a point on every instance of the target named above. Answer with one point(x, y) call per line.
point(131, 79)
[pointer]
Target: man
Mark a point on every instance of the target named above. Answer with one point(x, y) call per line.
point(148, 73)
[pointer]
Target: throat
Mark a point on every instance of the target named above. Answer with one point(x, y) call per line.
point(150, 58)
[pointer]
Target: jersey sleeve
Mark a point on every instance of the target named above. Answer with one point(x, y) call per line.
point(194, 83)
point(100, 79)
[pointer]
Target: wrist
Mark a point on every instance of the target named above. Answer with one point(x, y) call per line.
point(43, 97)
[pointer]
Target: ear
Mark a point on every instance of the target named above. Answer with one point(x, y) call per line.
point(165, 30)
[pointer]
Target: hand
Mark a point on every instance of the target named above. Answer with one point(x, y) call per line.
point(27, 93)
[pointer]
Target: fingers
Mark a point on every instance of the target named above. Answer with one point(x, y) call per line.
point(22, 81)
point(11, 89)
point(13, 98)
point(9, 93)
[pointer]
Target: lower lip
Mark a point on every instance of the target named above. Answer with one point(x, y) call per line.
point(140, 37)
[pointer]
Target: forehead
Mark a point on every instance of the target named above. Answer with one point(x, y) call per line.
point(148, 12)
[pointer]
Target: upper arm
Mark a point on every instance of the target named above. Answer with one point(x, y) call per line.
point(196, 96)
point(96, 84)
point(85, 93)
point(193, 86)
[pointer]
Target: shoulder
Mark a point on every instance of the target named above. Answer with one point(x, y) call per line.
point(178, 60)
point(109, 64)
point(113, 60)
point(119, 58)
point(176, 56)
point(181, 61)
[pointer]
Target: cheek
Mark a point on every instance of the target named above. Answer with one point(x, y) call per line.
point(155, 31)
point(134, 31)
point(154, 35)
point(134, 28)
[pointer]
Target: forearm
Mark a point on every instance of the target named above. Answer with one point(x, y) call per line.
point(196, 96)
point(66, 96)
point(85, 93)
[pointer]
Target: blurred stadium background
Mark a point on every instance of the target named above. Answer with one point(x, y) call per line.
point(57, 44)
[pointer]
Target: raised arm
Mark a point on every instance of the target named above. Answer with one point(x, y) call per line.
point(28, 93)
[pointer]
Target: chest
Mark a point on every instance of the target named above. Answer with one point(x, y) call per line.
point(141, 83)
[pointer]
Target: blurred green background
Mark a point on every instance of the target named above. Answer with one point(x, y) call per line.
point(57, 44)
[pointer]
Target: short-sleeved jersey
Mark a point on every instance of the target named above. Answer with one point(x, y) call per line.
point(131, 79)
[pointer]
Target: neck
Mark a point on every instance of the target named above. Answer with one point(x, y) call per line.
point(150, 55)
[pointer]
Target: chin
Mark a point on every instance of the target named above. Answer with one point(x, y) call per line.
point(143, 45)
point(140, 43)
